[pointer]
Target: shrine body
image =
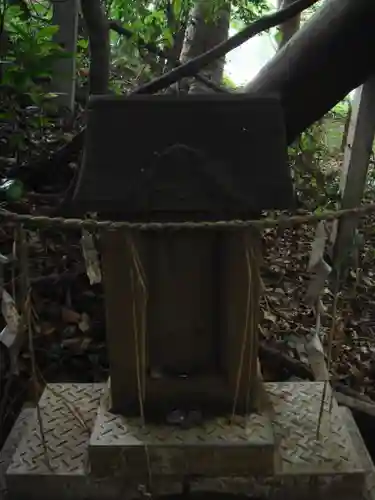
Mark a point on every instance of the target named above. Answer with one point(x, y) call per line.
point(185, 182)
point(182, 304)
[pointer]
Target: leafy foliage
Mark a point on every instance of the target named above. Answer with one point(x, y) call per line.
point(247, 12)
point(26, 72)
point(30, 58)
point(30, 52)
point(161, 22)
point(314, 169)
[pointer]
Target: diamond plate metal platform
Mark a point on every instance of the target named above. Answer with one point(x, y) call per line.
point(123, 446)
point(302, 451)
point(68, 413)
point(219, 448)
point(335, 465)
point(10, 445)
point(359, 445)
point(60, 468)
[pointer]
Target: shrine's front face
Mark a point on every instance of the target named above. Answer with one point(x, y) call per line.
point(179, 307)
point(183, 323)
point(182, 305)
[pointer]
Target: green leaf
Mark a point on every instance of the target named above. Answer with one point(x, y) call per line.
point(168, 37)
point(12, 190)
point(83, 44)
point(177, 5)
point(12, 12)
point(8, 116)
point(278, 37)
point(47, 32)
point(17, 28)
point(51, 95)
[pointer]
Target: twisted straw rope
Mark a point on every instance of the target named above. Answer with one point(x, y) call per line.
point(41, 221)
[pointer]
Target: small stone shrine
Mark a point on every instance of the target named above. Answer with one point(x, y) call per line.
point(185, 403)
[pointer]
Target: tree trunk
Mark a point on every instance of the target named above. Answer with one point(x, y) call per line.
point(288, 29)
point(178, 28)
point(333, 53)
point(98, 31)
point(65, 15)
point(203, 32)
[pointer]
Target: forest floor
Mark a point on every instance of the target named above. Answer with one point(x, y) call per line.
point(68, 321)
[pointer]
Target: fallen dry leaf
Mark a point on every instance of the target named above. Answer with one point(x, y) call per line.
point(268, 316)
point(70, 316)
point(91, 258)
point(10, 313)
point(84, 323)
point(47, 329)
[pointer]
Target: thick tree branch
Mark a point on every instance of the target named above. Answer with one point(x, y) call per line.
point(332, 54)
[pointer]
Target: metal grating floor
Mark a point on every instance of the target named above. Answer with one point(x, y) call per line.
point(359, 445)
point(10, 445)
point(123, 446)
point(303, 452)
point(334, 467)
point(297, 407)
point(68, 413)
point(59, 469)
